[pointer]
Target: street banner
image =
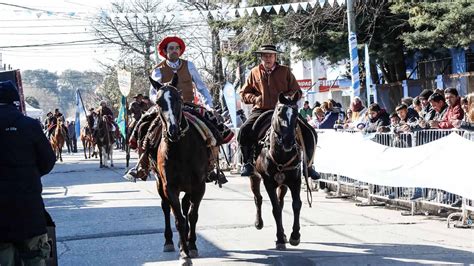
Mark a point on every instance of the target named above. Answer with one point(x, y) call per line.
point(229, 96)
point(124, 78)
point(77, 121)
point(121, 117)
point(305, 84)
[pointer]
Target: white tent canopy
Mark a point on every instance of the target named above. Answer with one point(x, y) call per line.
point(33, 112)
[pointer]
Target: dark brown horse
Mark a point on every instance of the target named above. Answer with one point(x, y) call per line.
point(182, 166)
point(58, 138)
point(104, 137)
point(278, 165)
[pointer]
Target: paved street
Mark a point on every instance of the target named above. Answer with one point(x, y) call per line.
point(102, 219)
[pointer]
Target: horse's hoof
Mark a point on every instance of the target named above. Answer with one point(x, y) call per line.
point(168, 248)
point(294, 242)
point(193, 253)
point(185, 262)
point(184, 259)
point(259, 224)
point(280, 246)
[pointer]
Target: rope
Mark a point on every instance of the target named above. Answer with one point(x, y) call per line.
point(309, 195)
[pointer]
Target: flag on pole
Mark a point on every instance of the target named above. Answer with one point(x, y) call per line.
point(121, 117)
point(77, 122)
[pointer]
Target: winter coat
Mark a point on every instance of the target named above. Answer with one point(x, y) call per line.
point(25, 156)
point(454, 112)
point(382, 120)
point(329, 120)
point(268, 86)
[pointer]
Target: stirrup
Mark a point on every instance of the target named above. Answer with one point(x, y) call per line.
point(247, 170)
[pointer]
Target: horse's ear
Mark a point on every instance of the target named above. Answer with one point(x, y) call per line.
point(174, 82)
point(296, 96)
point(155, 84)
point(282, 99)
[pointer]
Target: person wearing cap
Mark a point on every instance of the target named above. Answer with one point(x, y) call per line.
point(26, 155)
point(261, 89)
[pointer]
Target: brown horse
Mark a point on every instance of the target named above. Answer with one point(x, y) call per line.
point(57, 140)
point(88, 142)
point(182, 166)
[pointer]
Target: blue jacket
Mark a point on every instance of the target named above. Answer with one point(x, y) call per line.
point(329, 120)
point(25, 156)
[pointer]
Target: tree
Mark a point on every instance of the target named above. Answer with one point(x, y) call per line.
point(137, 35)
point(32, 101)
point(40, 78)
point(436, 25)
point(323, 32)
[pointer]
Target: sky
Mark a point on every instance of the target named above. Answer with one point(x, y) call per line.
point(26, 24)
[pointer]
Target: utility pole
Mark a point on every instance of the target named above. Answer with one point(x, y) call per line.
point(353, 49)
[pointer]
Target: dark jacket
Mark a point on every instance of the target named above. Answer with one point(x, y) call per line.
point(25, 156)
point(467, 126)
point(329, 120)
point(382, 120)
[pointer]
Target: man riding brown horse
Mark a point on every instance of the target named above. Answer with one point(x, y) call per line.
point(146, 133)
point(52, 121)
point(261, 89)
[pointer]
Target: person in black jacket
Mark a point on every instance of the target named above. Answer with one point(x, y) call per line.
point(25, 156)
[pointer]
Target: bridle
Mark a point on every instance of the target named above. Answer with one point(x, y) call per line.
point(183, 131)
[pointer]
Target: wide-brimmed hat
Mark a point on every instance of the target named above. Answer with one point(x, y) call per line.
point(267, 49)
point(166, 40)
point(138, 95)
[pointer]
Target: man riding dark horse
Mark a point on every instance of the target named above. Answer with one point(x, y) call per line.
point(261, 89)
point(147, 132)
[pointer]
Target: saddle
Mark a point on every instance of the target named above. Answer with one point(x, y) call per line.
point(212, 131)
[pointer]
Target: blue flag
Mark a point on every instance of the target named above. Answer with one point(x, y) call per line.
point(121, 116)
point(78, 114)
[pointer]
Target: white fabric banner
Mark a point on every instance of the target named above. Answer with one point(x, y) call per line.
point(440, 164)
point(259, 10)
point(268, 8)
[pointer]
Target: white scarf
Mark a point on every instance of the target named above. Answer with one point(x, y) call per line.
point(174, 65)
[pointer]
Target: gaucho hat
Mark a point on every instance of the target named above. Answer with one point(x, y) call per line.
point(166, 40)
point(267, 49)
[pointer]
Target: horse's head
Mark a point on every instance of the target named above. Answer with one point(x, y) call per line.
point(284, 121)
point(170, 104)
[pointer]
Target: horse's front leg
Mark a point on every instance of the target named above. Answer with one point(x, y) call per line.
point(60, 154)
point(180, 221)
point(193, 218)
point(281, 192)
point(270, 186)
point(295, 194)
point(165, 206)
point(100, 157)
point(255, 187)
point(185, 205)
point(111, 152)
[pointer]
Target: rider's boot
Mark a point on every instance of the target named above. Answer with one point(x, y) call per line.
point(140, 171)
point(247, 157)
point(215, 175)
